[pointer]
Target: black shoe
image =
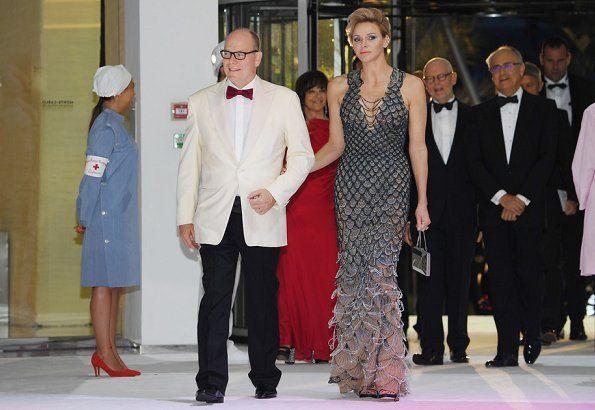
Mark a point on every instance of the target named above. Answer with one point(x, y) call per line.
point(531, 351)
point(424, 360)
point(577, 331)
point(560, 334)
point(548, 337)
point(507, 360)
point(265, 392)
point(459, 357)
point(209, 395)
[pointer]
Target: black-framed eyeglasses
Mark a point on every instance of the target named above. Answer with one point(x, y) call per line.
point(239, 55)
point(440, 77)
point(506, 66)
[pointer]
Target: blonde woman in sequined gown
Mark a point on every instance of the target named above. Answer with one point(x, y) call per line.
point(371, 113)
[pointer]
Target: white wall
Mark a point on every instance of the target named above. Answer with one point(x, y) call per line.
point(168, 50)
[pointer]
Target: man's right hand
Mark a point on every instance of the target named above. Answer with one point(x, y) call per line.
point(513, 204)
point(187, 235)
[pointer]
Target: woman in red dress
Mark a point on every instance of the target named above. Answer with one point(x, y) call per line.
point(308, 264)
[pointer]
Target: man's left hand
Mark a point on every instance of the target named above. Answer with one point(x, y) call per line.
point(261, 201)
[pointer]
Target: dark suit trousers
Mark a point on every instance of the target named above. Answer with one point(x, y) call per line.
point(574, 297)
point(259, 265)
point(552, 296)
point(514, 255)
point(451, 250)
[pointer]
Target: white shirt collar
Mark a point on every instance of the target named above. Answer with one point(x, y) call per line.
point(563, 80)
point(519, 94)
point(247, 86)
point(452, 99)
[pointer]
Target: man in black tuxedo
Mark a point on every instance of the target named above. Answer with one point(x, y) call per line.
point(560, 179)
point(511, 156)
point(453, 210)
point(572, 94)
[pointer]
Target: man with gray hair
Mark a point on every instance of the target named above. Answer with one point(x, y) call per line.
point(511, 156)
point(453, 211)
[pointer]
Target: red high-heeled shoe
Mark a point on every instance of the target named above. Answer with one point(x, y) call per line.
point(134, 372)
point(98, 364)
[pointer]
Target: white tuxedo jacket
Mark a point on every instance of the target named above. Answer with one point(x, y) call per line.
point(210, 177)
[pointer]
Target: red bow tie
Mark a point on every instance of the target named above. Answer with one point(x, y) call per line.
point(232, 92)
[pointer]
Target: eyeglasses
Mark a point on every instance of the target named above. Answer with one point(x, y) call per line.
point(440, 77)
point(507, 66)
point(239, 55)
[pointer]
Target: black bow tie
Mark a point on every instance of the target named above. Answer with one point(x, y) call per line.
point(438, 107)
point(502, 101)
point(561, 85)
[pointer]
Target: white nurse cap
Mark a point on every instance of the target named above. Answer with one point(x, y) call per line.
point(111, 80)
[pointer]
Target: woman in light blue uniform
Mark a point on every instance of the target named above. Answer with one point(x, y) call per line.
point(107, 213)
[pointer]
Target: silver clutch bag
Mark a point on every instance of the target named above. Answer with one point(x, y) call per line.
point(420, 260)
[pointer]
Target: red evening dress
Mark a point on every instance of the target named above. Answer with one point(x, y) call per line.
point(308, 264)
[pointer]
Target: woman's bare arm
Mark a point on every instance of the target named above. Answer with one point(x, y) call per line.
point(332, 150)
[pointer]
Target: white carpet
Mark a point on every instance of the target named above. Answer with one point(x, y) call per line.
point(563, 378)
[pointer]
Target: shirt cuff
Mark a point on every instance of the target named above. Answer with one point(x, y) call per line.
point(524, 199)
point(496, 198)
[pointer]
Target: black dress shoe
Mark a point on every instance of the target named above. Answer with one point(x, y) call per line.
point(265, 392)
point(503, 361)
point(426, 360)
point(577, 331)
point(459, 357)
point(531, 351)
point(209, 395)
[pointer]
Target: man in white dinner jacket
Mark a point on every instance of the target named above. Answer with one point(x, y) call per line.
point(239, 131)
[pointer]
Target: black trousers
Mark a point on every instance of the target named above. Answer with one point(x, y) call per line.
point(573, 296)
point(514, 255)
point(553, 284)
point(451, 250)
point(259, 264)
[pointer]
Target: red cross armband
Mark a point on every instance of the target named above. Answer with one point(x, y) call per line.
point(95, 166)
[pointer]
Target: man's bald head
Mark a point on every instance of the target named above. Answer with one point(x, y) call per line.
point(439, 79)
point(442, 62)
point(245, 32)
point(244, 58)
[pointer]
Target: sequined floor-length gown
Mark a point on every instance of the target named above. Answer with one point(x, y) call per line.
point(371, 206)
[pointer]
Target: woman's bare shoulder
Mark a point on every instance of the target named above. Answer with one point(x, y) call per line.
point(338, 85)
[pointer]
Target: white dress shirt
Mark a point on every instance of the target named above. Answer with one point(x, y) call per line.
point(239, 112)
point(444, 125)
point(509, 114)
point(561, 96)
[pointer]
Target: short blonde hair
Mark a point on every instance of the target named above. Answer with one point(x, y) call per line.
point(367, 15)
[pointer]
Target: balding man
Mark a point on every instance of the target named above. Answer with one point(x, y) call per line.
point(230, 184)
point(453, 209)
point(511, 157)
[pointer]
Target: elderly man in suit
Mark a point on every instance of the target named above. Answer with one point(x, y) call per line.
point(572, 94)
point(230, 184)
point(511, 157)
point(453, 210)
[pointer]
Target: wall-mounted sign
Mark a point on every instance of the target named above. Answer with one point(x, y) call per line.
point(179, 111)
point(179, 140)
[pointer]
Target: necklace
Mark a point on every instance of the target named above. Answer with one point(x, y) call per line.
point(371, 109)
